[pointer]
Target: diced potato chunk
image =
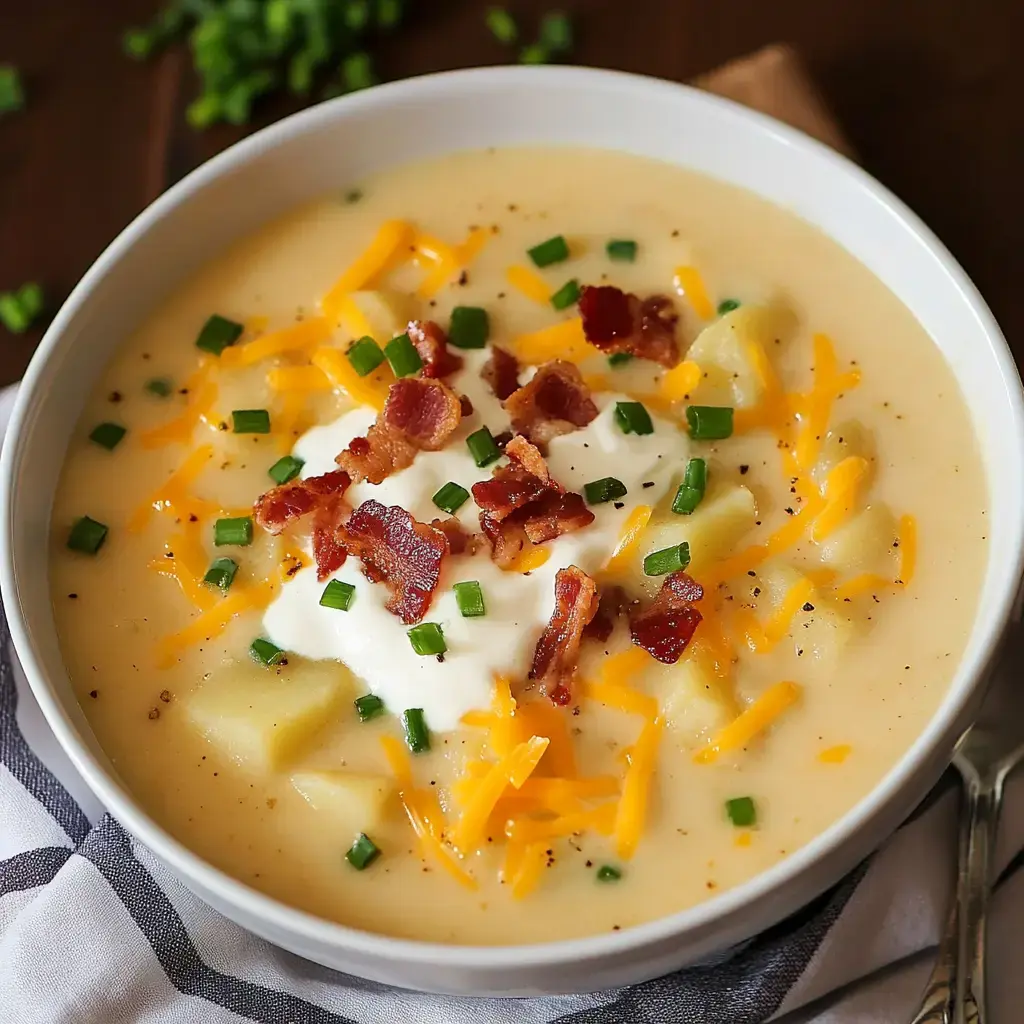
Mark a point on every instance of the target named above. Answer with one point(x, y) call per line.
point(722, 351)
point(387, 312)
point(264, 717)
point(849, 438)
point(824, 633)
point(863, 544)
point(352, 801)
point(691, 702)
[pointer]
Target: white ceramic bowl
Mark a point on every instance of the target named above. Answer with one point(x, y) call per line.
point(328, 147)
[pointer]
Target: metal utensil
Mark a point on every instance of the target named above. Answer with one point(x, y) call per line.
point(984, 756)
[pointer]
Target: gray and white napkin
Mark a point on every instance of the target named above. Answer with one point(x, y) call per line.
point(93, 930)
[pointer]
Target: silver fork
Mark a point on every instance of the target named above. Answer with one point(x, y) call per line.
point(984, 756)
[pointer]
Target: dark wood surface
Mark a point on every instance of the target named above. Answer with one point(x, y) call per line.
point(929, 92)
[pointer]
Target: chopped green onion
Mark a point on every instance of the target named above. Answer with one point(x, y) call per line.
point(12, 93)
point(159, 386)
point(554, 250)
point(623, 250)
point(357, 15)
point(221, 573)
point(502, 25)
point(365, 355)
point(427, 638)
point(368, 706)
point(483, 447)
point(741, 810)
point(567, 295)
point(709, 422)
point(389, 13)
point(606, 489)
point(108, 435)
point(250, 421)
point(728, 305)
point(451, 497)
point(673, 559)
point(691, 490)
point(535, 53)
point(470, 599)
point(363, 852)
point(18, 309)
point(288, 467)
point(402, 355)
point(337, 595)
point(417, 735)
point(357, 72)
point(620, 358)
point(87, 536)
point(556, 32)
point(633, 418)
point(31, 298)
point(608, 873)
point(218, 333)
point(265, 652)
point(237, 532)
point(470, 326)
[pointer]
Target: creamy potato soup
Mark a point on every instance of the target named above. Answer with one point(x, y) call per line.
point(518, 546)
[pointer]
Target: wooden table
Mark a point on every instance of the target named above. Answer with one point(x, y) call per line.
point(926, 89)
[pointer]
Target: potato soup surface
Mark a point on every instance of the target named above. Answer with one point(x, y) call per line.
point(840, 541)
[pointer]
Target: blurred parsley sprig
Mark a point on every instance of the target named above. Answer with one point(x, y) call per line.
point(245, 49)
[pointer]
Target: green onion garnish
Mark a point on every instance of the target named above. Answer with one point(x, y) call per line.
point(159, 386)
point(470, 327)
point(483, 447)
point(12, 94)
point(451, 497)
point(402, 355)
point(288, 467)
point(608, 873)
point(221, 573)
point(622, 250)
point(417, 735)
point(470, 599)
point(250, 421)
point(365, 355)
point(633, 418)
point(389, 13)
point(554, 250)
point(427, 638)
point(502, 25)
point(363, 852)
point(619, 358)
point(691, 490)
point(535, 53)
point(218, 333)
point(265, 652)
point(556, 32)
point(357, 72)
point(606, 489)
point(567, 295)
point(337, 595)
point(709, 422)
point(741, 810)
point(728, 305)
point(233, 531)
point(368, 706)
point(87, 536)
point(108, 435)
point(20, 308)
point(673, 559)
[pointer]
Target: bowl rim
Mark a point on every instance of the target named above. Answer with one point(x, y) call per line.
point(285, 919)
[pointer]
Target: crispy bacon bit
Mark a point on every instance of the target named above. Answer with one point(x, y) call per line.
point(611, 605)
point(618, 321)
point(282, 505)
point(432, 344)
point(459, 541)
point(501, 371)
point(466, 406)
point(521, 504)
point(398, 551)
point(329, 554)
point(558, 649)
point(555, 401)
point(667, 625)
point(419, 415)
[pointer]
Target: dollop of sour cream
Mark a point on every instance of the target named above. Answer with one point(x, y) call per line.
point(373, 643)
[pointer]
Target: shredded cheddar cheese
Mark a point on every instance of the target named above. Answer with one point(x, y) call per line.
point(689, 283)
point(389, 246)
point(841, 491)
point(184, 562)
point(300, 337)
point(443, 261)
point(779, 624)
point(523, 866)
point(679, 382)
point(172, 493)
point(529, 283)
point(564, 340)
point(631, 813)
point(907, 549)
point(862, 584)
point(632, 530)
point(750, 723)
point(371, 390)
point(298, 378)
point(835, 755)
point(202, 394)
point(530, 558)
point(530, 830)
point(815, 409)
